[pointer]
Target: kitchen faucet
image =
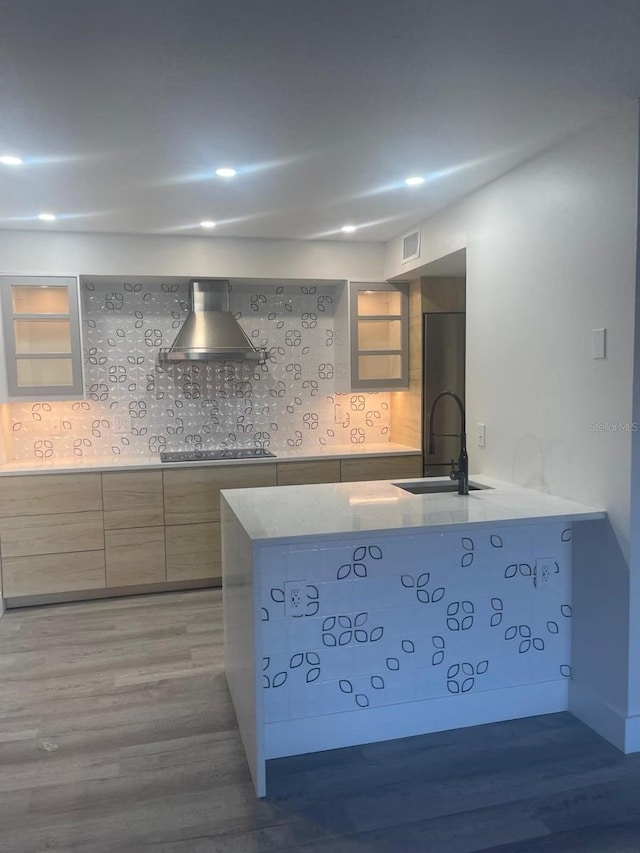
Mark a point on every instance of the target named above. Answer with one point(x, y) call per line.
point(462, 474)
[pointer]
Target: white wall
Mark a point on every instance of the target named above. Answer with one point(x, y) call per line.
point(124, 254)
point(551, 252)
point(634, 600)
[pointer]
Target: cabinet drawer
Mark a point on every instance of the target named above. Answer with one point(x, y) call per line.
point(29, 535)
point(135, 556)
point(43, 494)
point(53, 573)
point(300, 473)
point(193, 551)
point(192, 495)
point(132, 499)
point(381, 468)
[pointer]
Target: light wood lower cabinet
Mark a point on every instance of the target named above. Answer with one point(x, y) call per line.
point(62, 534)
point(302, 473)
point(53, 573)
point(380, 468)
point(192, 495)
point(28, 535)
point(42, 494)
point(193, 551)
point(51, 534)
point(135, 556)
point(132, 499)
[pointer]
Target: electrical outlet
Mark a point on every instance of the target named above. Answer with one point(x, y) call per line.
point(481, 435)
point(294, 598)
point(545, 572)
point(301, 599)
point(121, 424)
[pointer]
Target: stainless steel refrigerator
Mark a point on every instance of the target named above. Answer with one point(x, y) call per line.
point(443, 369)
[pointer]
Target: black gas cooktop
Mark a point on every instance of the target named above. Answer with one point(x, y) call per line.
point(208, 455)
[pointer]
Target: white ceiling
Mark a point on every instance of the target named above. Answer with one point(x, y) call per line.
point(123, 109)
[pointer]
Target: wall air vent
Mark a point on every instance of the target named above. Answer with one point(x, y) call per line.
point(411, 246)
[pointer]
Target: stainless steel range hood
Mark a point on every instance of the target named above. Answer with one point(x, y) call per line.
point(210, 332)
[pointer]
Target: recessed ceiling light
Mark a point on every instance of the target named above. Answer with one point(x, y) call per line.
point(414, 181)
point(226, 172)
point(349, 229)
point(10, 160)
point(47, 217)
point(207, 223)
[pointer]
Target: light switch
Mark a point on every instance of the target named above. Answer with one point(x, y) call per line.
point(599, 343)
point(481, 435)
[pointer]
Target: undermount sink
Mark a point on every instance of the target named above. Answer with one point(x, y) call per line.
point(423, 487)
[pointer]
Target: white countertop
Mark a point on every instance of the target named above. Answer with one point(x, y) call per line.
point(333, 510)
point(135, 463)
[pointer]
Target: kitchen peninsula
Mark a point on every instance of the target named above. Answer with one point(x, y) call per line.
point(362, 612)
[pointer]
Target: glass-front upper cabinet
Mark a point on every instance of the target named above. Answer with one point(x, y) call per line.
point(41, 331)
point(378, 313)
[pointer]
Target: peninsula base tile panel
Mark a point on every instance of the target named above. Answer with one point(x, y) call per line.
point(134, 405)
point(352, 627)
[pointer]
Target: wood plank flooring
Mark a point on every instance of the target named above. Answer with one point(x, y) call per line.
point(117, 735)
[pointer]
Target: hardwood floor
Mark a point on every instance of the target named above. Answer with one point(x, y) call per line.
point(117, 736)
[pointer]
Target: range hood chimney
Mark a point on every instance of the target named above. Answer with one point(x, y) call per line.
point(210, 332)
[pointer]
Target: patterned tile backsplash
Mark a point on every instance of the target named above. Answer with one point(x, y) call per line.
point(135, 406)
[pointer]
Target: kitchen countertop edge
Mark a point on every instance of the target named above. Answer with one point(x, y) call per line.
point(502, 503)
point(152, 462)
